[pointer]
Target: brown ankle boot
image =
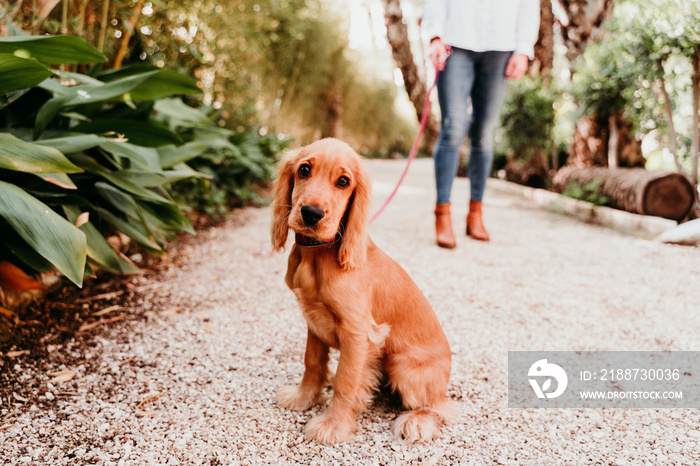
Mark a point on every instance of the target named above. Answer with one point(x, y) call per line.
point(475, 224)
point(443, 226)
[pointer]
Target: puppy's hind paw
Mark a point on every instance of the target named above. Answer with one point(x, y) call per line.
point(419, 425)
point(292, 397)
point(328, 429)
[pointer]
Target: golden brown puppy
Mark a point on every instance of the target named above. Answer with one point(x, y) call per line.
point(355, 298)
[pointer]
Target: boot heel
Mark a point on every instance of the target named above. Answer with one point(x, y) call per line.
point(475, 223)
point(443, 227)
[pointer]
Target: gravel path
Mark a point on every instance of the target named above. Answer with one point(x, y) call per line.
point(193, 380)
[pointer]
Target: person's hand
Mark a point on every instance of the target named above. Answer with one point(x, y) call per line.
point(439, 51)
point(517, 66)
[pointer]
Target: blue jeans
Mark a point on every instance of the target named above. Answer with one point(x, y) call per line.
point(481, 76)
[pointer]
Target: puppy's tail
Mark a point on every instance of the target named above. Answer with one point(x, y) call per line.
point(423, 424)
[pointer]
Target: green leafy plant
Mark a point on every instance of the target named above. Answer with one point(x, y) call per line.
point(84, 156)
point(587, 192)
point(646, 73)
point(525, 142)
point(235, 165)
point(528, 118)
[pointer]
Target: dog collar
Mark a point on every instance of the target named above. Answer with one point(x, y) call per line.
point(308, 241)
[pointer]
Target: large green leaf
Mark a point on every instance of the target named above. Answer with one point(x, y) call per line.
point(124, 181)
point(98, 249)
point(90, 93)
point(142, 133)
point(79, 78)
point(127, 266)
point(121, 201)
point(166, 218)
point(86, 94)
point(151, 179)
point(153, 220)
point(74, 142)
point(56, 239)
point(164, 83)
point(27, 157)
point(134, 230)
point(141, 157)
point(59, 179)
point(180, 115)
point(217, 139)
point(25, 253)
point(53, 50)
point(20, 73)
point(55, 87)
point(171, 155)
point(138, 214)
point(118, 179)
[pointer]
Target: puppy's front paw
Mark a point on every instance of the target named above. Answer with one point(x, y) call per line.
point(294, 398)
point(328, 429)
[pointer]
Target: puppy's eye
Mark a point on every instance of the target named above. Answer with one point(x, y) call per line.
point(342, 182)
point(304, 171)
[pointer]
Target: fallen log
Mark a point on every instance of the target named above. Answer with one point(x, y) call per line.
point(661, 194)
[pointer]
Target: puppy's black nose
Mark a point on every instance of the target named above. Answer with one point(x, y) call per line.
point(312, 214)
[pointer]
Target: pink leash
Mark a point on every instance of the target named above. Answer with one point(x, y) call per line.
point(414, 150)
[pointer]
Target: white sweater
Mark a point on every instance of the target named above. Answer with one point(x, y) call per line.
point(484, 25)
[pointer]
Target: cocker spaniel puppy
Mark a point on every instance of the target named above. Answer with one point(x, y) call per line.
point(354, 298)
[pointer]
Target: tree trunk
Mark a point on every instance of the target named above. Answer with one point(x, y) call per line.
point(128, 32)
point(422, 65)
point(592, 143)
point(334, 113)
point(104, 26)
point(613, 143)
point(668, 195)
point(397, 34)
point(695, 139)
point(544, 48)
point(80, 27)
point(668, 109)
point(64, 17)
point(581, 22)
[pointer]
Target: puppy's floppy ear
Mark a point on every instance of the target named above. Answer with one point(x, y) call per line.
point(353, 249)
point(282, 199)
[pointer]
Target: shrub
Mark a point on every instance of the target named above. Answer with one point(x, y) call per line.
point(528, 117)
point(235, 165)
point(525, 137)
point(647, 70)
point(587, 192)
point(83, 156)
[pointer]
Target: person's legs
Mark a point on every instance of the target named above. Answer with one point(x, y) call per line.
point(488, 94)
point(454, 86)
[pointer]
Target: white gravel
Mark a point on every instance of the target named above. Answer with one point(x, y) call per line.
point(193, 382)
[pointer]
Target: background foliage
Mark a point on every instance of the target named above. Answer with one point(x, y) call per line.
point(639, 77)
point(526, 134)
point(88, 159)
point(648, 51)
point(284, 66)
